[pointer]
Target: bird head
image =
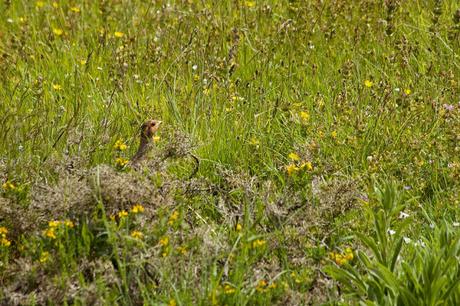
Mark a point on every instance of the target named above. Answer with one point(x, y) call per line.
point(149, 128)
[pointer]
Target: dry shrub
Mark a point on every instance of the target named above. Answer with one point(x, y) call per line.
point(15, 217)
point(76, 195)
point(120, 191)
point(97, 269)
point(70, 197)
point(179, 146)
point(308, 223)
point(329, 201)
point(338, 196)
point(235, 188)
point(31, 284)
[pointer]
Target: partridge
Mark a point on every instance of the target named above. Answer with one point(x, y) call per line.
point(148, 130)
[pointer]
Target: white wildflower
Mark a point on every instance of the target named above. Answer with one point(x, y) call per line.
point(403, 215)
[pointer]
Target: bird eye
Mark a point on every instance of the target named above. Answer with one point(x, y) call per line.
point(152, 124)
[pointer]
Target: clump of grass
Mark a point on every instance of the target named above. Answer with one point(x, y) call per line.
point(396, 269)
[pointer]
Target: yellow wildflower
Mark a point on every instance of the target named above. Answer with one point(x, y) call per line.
point(261, 286)
point(44, 257)
point(304, 115)
point(258, 243)
point(341, 259)
point(75, 9)
point(138, 208)
point(293, 156)
point(82, 62)
point(69, 223)
point(121, 162)
point(122, 214)
point(3, 231)
point(173, 218)
point(120, 145)
point(368, 83)
point(39, 4)
point(50, 233)
point(334, 134)
point(337, 258)
point(55, 4)
point(239, 227)
point(272, 286)
point(58, 31)
point(172, 302)
point(407, 91)
point(156, 138)
point(5, 242)
point(348, 254)
point(182, 250)
point(308, 165)
point(137, 234)
point(54, 223)
point(297, 280)
point(250, 3)
point(57, 87)
point(291, 168)
point(8, 186)
point(255, 142)
point(229, 289)
point(164, 241)
point(418, 162)
point(118, 34)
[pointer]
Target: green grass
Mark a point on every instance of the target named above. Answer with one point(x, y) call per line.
point(248, 83)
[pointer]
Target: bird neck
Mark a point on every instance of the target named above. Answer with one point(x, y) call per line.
point(144, 146)
point(144, 141)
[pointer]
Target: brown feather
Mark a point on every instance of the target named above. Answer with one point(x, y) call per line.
point(148, 130)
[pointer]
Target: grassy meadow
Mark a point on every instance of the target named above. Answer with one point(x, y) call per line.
point(327, 135)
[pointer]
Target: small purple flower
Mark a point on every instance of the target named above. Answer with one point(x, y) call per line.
point(448, 107)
